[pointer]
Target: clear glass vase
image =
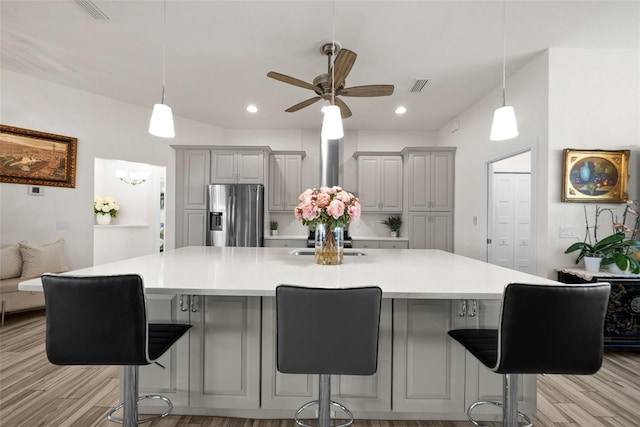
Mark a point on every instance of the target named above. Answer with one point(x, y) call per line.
point(329, 245)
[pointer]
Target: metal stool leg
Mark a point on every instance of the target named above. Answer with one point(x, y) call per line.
point(324, 403)
point(130, 399)
point(509, 405)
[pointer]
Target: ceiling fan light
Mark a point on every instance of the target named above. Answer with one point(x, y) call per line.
point(504, 124)
point(332, 123)
point(161, 123)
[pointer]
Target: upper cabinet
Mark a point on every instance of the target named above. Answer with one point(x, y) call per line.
point(430, 180)
point(237, 166)
point(285, 181)
point(194, 173)
point(379, 182)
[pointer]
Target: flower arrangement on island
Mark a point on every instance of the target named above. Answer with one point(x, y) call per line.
point(105, 206)
point(328, 205)
point(326, 211)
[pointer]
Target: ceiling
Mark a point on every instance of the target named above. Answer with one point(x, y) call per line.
point(219, 52)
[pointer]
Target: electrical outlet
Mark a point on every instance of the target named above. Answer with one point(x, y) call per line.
point(567, 232)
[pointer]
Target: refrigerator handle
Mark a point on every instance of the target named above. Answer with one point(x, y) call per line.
point(232, 221)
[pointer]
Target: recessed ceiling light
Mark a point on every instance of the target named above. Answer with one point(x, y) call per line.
point(401, 110)
point(252, 108)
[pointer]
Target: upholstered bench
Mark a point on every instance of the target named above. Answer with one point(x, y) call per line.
point(23, 261)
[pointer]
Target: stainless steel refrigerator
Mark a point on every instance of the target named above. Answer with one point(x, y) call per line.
point(235, 215)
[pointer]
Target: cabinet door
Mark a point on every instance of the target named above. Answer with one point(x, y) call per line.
point(431, 181)
point(292, 181)
point(391, 183)
point(369, 183)
point(285, 243)
point(431, 230)
point(371, 393)
point(365, 244)
point(195, 176)
point(171, 381)
point(224, 169)
point(428, 366)
point(194, 227)
point(389, 244)
point(277, 165)
point(225, 352)
point(250, 167)
point(441, 181)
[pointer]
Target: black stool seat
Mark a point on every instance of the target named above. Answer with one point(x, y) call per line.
point(543, 329)
point(102, 320)
point(482, 343)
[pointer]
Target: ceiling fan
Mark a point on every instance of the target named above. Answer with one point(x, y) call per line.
point(322, 84)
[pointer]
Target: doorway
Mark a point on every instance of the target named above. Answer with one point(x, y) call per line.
point(510, 230)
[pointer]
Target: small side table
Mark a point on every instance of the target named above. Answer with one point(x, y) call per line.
point(622, 323)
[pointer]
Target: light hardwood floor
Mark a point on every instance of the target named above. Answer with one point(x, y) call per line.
point(34, 392)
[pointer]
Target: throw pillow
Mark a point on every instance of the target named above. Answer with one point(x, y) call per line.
point(10, 262)
point(42, 259)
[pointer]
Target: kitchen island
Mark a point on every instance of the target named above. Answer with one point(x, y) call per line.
point(226, 366)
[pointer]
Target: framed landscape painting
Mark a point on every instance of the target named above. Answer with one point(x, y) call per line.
point(37, 158)
point(596, 176)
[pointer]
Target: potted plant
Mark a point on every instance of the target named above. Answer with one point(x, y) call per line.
point(613, 249)
point(393, 223)
point(273, 225)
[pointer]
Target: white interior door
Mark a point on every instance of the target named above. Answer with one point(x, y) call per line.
point(509, 216)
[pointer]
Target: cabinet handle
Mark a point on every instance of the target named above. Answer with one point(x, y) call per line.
point(463, 309)
point(194, 304)
point(182, 307)
point(474, 308)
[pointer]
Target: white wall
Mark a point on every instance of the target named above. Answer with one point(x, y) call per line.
point(594, 103)
point(105, 128)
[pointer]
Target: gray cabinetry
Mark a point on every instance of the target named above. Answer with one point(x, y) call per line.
point(379, 182)
point(285, 181)
point(431, 230)
point(237, 166)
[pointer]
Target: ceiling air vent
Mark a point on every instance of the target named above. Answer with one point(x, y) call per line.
point(92, 9)
point(418, 85)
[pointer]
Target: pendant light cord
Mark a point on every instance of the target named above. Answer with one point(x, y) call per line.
point(333, 57)
point(504, 51)
point(164, 47)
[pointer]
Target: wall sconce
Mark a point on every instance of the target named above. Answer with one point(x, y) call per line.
point(132, 178)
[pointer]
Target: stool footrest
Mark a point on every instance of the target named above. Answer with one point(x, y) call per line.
point(332, 403)
point(489, 402)
point(110, 416)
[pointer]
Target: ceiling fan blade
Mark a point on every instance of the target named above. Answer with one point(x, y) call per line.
point(342, 66)
point(289, 80)
point(345, 112)
point(368, 90)
point(303, 104)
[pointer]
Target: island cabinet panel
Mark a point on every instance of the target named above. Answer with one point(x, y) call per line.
point(428, 367)
point(173, 380)
point(361, 394)
point(285, 243)
point(225, 352)
point(237, 166)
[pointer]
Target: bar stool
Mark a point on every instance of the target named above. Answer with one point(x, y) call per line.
point(327, 332)
point(102, 320)
point(543, 329)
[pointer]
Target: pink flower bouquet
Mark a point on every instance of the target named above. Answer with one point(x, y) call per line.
point(328, 205)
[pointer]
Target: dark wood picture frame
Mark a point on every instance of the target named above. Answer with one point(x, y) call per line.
point(37, 158)
point(595, 176)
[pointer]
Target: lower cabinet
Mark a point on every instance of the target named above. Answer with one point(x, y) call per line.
point(435, 374)
point(227, 362)
point(431, 230)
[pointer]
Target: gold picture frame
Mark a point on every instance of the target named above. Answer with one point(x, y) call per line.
point(595, 176)
point(37, 158)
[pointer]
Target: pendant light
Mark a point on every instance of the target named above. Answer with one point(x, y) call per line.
point(332, 122)
point(161, 123)
point(504, 124)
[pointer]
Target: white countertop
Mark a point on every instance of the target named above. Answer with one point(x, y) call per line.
point(359, 238)
point(401, 273)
